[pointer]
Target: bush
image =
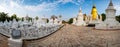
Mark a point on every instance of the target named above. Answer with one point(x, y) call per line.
point(118, 18)
point(70, 21)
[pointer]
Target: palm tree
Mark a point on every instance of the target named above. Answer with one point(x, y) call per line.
point(14, 16)
point(4, 16)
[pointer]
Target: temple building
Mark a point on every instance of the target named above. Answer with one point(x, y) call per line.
point(55, 20)
point(94, 18)
point(110, 22)
point(79, 20)
point(94, 13)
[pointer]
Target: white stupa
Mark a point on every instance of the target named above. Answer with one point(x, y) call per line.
point(74, 21)
point(79, 20)
point(110, 22)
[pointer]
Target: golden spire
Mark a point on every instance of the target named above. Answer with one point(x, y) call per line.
point(94, 13)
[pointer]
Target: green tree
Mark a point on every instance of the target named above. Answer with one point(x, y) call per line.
point(4, 16)
point(36, 17)
point(103, 16)
point(14, 16)
point(70, 21)
point(84, 16)
point(63, 21)
point(18, 18)
point(29, 19)
point(118, 18)
point(22, 18)
point(47, 20)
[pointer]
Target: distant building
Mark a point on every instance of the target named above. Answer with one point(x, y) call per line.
point(55, 20)
point(110, 22)
point(79, 20)
point(83, 19)
point(94, 18)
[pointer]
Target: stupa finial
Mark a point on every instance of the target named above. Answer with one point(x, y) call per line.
point(110, 4)
point(80, 9)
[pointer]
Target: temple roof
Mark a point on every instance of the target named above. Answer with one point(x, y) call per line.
point(110, 4)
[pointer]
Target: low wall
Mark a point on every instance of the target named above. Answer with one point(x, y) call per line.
point(31, 32)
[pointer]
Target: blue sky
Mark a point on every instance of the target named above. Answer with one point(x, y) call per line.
point(66, 8)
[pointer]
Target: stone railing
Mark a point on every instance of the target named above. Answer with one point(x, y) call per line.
point(31, 32)
point(5, 31)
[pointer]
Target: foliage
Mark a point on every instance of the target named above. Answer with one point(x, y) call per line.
point(103, 16)
point(47, 20)
point(22, 18)
point(4, 16)
point(63, 21)
point(118, 18)
point(70, 21)
point(13, 17)
point(36, 17)
point(30, 19)
point(84, 16)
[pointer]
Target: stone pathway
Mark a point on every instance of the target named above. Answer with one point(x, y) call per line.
point(3, 41)
point(73, 36)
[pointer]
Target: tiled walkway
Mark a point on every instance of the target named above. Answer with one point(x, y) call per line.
point(3, 41)
point(73, 36)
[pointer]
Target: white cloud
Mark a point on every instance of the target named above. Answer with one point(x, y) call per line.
point(11, 7)
point(117, 7)
point(42, 7)
point(16, 6)
point(76, 2)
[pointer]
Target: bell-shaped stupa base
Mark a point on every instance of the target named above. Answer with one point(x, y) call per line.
point(106, 26)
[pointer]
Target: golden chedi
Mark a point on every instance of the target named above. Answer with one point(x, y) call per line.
point(94, 13)
point(94, 18)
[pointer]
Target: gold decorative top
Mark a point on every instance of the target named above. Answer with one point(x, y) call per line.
point(94, 13)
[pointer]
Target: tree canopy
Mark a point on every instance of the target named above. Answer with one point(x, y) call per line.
point(103, 16)
point(4, 17)
point(70, 21)
point(118, 18)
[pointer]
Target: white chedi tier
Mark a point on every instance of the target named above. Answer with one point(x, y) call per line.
point(74, 21)
point(97, 21)
point(110, 22)
point(79, 20)
point(28, 30)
